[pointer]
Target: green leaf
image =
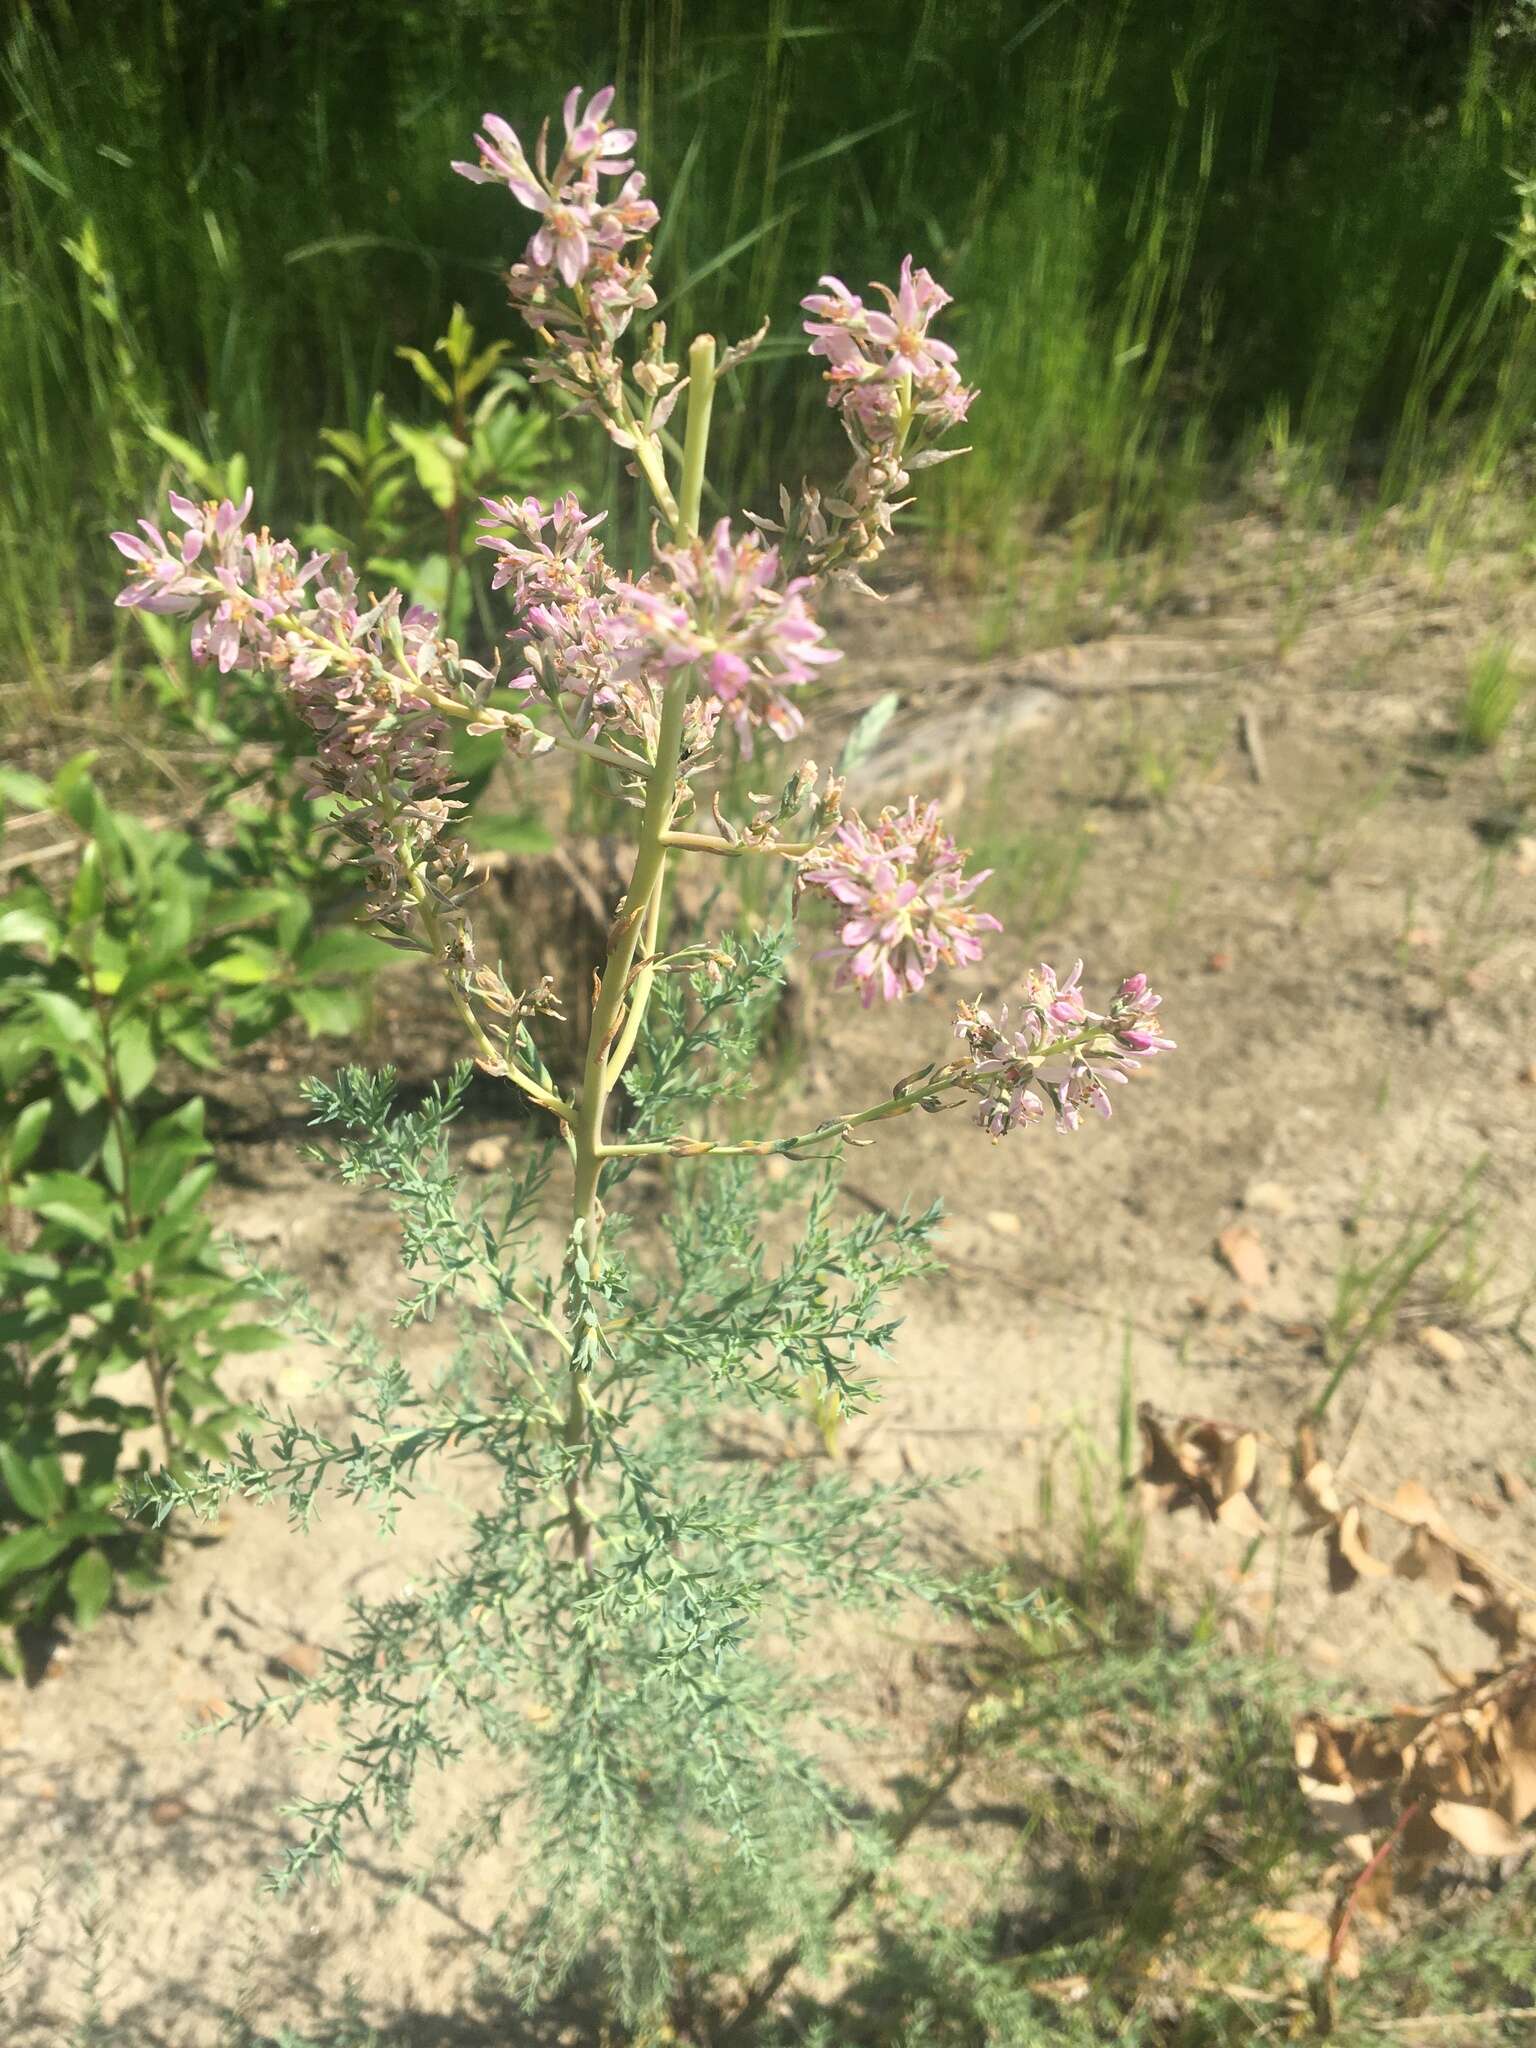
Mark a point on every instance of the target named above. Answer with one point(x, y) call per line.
point(133, 1047)
point(37, 1485)
point(26, 792)
point(329, 1012)
point(250, 1337)
point(69, 1198)
point(30, 1549)
point(194, 466)
point(73, 1023)
point(26, 1133)
point(428, 375)
point(22, 927)
point(865, 737)
point(88, 897)
point(74, 793)
point(248, 966)
point(343, 950)
point(508, 832)
point(435, 456)
point(90, 1586)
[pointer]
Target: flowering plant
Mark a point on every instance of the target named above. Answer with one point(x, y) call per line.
point(606, 1622)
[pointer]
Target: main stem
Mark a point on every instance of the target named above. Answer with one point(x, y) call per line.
point(619, 982)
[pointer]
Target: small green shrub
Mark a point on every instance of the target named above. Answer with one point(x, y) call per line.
point(115, 1311)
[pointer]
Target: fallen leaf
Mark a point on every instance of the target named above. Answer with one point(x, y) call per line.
point(1479, 1830)
point(1243, 1255)
point(1309, 1935)
point(1349, 1555)
point(1442, 1344)
point(1425, 1557)
point(1064, 1990)
point(1511, 1485)
point(1317, 1494)
point(296, 1660)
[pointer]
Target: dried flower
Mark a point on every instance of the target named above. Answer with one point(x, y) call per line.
point(717, 605)
point(902, 896)
point(1052, 1026)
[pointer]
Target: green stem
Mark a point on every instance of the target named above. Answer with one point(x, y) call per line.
point(835, 1127)
point(701, 399)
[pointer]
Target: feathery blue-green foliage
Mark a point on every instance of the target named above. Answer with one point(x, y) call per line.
point(641, 1681)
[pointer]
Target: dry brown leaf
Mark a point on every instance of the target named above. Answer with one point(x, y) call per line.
point(1309, 1935)
point(1238, 1464)
point(1479, 1830)
point(1338, 1811)
point(1416, 1504)
point(1317, 1495)
point(1242, 1253)
point(1239, 1513)
point(1200, 1463)
point(1424, 1556)
point(1349, 1554)
point(1064, 1990)
point(1442, 1344)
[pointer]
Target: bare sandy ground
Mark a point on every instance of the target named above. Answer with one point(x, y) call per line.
point(1249, 779)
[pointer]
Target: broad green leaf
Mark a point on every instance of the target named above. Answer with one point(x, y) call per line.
point(88, 897)
point(29, 1550)
point(329, 1012)
point(26, 1134)
point(70, 1020)
point(69, 1198)
point(342, 950)
point(248, 967)
point(250, 1337)
point(133, 1047)
point(74, 793)
point(90, 1586)
point(37, 1485)
point(23, 927)
point(508, 832)
point(435, 456)
point(26, 792)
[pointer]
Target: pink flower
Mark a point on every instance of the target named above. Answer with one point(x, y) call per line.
point(717, 605)
point(1053, 1029)
point(883, 366)
point(578, 223)
point(566, 599)
point(902, 899)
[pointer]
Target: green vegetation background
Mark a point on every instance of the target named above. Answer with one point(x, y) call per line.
point(1176, 234)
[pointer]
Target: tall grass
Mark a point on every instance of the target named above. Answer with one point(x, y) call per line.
point(1162, 226)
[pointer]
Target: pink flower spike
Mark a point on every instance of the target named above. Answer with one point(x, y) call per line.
point(903, 880)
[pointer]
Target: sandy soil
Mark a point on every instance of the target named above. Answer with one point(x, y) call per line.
point(1249, 777)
